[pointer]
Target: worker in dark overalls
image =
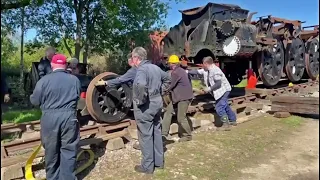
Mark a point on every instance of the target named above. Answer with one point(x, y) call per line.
point(148, 86)
point(219, 87)
point(127, 78)
point(182, 94)
point(57, 94)
point(44, 66)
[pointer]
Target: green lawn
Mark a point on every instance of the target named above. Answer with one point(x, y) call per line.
point(198, 85)
point(20, 116)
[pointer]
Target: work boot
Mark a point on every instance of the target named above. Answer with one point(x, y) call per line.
point(136, 146)
point(167, 140)
point(138, 168)
point(159, 167)
point(225, 126)
point(185, 138)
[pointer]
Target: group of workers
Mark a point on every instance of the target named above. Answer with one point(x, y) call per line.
point(150, 83)
point(58, 91)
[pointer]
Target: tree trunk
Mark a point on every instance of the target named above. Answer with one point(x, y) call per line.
point(78, 9)
point(87, 40)
point(21, 46)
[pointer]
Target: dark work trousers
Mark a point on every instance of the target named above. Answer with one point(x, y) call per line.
point(184, 125)
point(60, 136)
point(223, 109)
point(149, 133)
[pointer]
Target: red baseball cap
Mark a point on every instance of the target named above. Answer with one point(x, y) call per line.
point(59, 59)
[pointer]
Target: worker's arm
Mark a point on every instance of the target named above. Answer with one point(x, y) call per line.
point(195, 71)
point(166, 81)
point(139, 89)
point(35, 97)
point(175, 78)
point(217, 77)
point(127, 77)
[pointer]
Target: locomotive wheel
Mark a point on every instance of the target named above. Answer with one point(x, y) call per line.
point(270, 64)
point(108, 104)
point(312, 60)
point(295, 60)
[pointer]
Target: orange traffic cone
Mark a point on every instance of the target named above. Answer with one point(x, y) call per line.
point(252, 79)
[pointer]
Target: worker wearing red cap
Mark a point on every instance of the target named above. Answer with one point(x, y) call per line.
point(57, 94)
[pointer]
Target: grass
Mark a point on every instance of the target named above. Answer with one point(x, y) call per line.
point(243, 83)
point(20, 116)
point(217, 155)
point(292, 121)
point(198, 84)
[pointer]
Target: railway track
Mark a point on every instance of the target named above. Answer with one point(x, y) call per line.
point(97, 133)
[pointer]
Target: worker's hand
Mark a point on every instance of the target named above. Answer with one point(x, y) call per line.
point(206, 89)
point(101, 83)
point(6, 98)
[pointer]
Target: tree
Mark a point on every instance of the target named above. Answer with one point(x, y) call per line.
point(97, 26)
point(16, 4)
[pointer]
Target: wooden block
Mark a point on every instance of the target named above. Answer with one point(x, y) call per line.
point(205, 122)
point(115, 144)
point(300, 105)
point(12, 172)
point(295, 108)
point(282, 114)
point(195, 122)
point(174, 128)
point(133, 133)
point(296, 100)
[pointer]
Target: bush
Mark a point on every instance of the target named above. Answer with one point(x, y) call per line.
point(100, 64)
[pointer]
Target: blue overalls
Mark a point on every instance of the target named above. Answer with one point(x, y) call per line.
point(57, 94)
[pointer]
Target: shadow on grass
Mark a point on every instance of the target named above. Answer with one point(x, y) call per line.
point(21, 116)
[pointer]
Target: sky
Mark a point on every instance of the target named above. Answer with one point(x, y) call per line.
point(304, 10)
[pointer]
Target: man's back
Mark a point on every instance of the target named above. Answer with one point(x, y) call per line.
point(60, 90)
point(154, 78)
point(181, 85)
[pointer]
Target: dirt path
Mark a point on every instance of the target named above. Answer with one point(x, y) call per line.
point(298, 159)
point(264, 148)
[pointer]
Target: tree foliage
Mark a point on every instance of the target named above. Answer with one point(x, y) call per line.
point(95, 26)
point(16, 4)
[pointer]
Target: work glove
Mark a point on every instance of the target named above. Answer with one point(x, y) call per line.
point(6, 98)
point(101, 83)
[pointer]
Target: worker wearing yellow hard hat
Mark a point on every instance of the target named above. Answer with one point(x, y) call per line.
point(181, 94)
point(173, 59)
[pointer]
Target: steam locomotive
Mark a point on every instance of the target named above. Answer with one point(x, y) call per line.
point(272, 47)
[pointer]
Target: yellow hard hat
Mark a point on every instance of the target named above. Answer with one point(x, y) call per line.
point(173, 59)
point(290, 84)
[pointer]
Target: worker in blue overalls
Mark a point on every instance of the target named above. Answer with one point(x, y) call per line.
point(57, 94)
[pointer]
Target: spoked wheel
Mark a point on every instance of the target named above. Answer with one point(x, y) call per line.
point(312, 60)
point(108, 104)
point(295, 60)
point(270, 64)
